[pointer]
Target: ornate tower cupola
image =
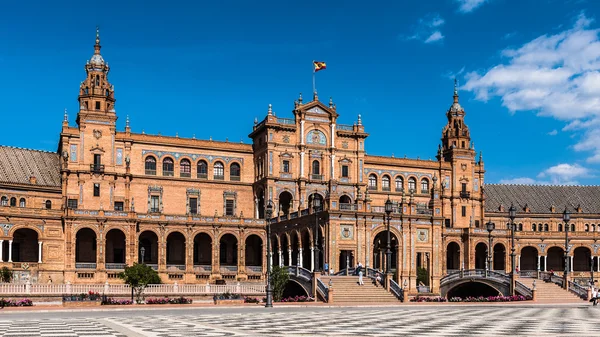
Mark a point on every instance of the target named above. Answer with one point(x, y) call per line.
point(96, 94)
point(455, 135)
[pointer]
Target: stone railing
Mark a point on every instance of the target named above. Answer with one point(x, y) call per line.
point(58, 289)
point(323, 289)
point(578, 290)
point(396, 290)
point(85, 265)
point(523, 289)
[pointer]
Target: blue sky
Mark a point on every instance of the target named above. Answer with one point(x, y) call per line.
point(528, 72)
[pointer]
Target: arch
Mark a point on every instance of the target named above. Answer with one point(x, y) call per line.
point(399, 183)
point(48, 204)
point(228, 250)
point(286, 203)
point(202, 249)
point(373, 181)
point(582, 257)
point(379, 250)
point(412, 184)
point(202, 169)
point(218, 171)
point(13, 202)
point(306, 246)
point(25, 246)
point(345, 199)
point(115, 250)
point(253, 250)
point(452, 256)
point(473, 289)
point(295, 288)
point(176, 248)
point(22, 202)
point(316, 137)
point(168, 167)
point(150, 165)
point(533, 227)
point(235, 171)
point(185, 168)
point(424, 185)
point(529, 258)
point(85, 246)
point(556, 259)
point(149, 241)
point(481, 252)
point(316, 168)
point(3, 201)
point(285, 246)
point(385, 183)
point(499, 260)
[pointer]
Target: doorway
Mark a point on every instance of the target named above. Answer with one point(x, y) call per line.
point(346, 259)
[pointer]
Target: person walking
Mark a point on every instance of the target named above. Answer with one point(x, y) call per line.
point(360, 275)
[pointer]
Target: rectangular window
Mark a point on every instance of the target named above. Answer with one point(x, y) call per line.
point(72, 203)
point(464, 187)
point(154, 204)
point(344, 171)
point(97, 105)
point(447, 223)
point(96, 189)
point(464, 211)
point(193, 205)
point(286, 166)
point(118, 205)
point(476, 223)
point(229, 207)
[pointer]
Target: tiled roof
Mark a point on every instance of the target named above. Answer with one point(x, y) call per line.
point(540, 198)
point(18, 165)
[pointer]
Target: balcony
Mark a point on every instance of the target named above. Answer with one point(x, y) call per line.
point(85, 265)
point(168, 173)
point(97, 168)
point(348, 207)
point(465, 194)
point(115, 266)
point(185, 175)
point(316, 177)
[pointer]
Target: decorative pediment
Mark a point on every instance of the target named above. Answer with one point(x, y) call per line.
point(317, 110)
point(286, 155)
point(97, 148)
point(345, 160)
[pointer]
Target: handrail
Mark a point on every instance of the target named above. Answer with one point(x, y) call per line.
point(300, 272)
point(323, 290)
point(578, 290)
point(495, 275)
point(523, 289)
point(396, 290)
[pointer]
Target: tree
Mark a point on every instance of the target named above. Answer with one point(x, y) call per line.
point(6, 275)
point(138, 277)
point(279, 279)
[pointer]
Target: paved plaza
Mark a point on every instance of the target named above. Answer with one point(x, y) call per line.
point(423, 320)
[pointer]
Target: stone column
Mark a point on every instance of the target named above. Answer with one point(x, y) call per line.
point(10, 250)
point(545, 262)
point(571, 263)
point(300, 257)
point(597, 263)
point(280, 259)
point(289, 256)
point(538, 262)
point(312, 258)
point(1, 250)
point(519, 262)
point(40, 252)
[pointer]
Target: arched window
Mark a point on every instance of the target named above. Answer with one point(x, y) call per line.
point(560, 227)
point(202, 169)
point(593, 228)
point(219, 171)
point(533, 227)
point(572, 227)
point(168, 167)
point(185, 168)
point(316, 170)
point(412, 185)
point(385, 183)
point(373, 182)
point(234, 172)
point(399, 184)
point(586, 227)
point(22, 202)
point(4, 201)
point(150, 166)
point(546, 228)
point(13, 201)
point(520, 227)
point(424, 186)
point(48, 204)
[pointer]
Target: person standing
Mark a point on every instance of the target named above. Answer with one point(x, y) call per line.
point(360, 275)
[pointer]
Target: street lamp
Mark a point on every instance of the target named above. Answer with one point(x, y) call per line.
point(566, 219)
point(316, 206)
point(512, 213)
point(269, 213)
point(490, 227)
point(389, 206)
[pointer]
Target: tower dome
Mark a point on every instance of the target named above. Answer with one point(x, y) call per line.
point(97, 59)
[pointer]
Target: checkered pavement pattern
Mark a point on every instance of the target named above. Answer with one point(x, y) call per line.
point(407, 321)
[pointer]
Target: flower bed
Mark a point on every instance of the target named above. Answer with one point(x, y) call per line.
point(15, 303)
point(491, 299)
point(90, 296)
point(167, 300)
point(298, 299)
point(428, 299)
point(112, 301)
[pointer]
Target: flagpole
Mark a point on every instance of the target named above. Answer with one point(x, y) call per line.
point(314, 86)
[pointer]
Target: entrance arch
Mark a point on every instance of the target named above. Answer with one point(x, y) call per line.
point(148, 241)
point(85, 246)
point(286, 203)
point(306, 245)
point(582, 257)
point(253, 251)
point(380, 250)
point(452, 256)
point(228, 250)
point(115, 249)
point(473, 289)
point(203, 251)
point(556, 259)
point(529, 257)
point(480, 255)
point(176, 250)
point(499, 257)
point(25, 247)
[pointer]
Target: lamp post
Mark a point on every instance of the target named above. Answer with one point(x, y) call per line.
point(490, 227)
point(316, 206)
point(269, 213)
point(512, 214)
point(388, 254)
point(592, 271)
point(566, 219)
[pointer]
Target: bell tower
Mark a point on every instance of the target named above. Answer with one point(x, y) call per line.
point(96, 94)
point(456, 137)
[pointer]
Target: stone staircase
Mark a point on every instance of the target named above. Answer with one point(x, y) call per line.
point(347, 291)
point(550, 292)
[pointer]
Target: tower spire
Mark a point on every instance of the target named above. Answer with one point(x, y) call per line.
point(97, 45)
point(455, 90)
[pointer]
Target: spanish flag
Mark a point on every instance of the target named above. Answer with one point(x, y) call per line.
point(319, 65)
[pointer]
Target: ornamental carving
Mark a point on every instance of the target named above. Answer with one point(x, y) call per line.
point(97, 134)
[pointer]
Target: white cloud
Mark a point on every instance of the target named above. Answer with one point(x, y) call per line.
point(436, 36)
point(452, 75)
point(553, 133)
point(467, 6)
point(428, 29)
point(561, 174)
point(557, 76)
